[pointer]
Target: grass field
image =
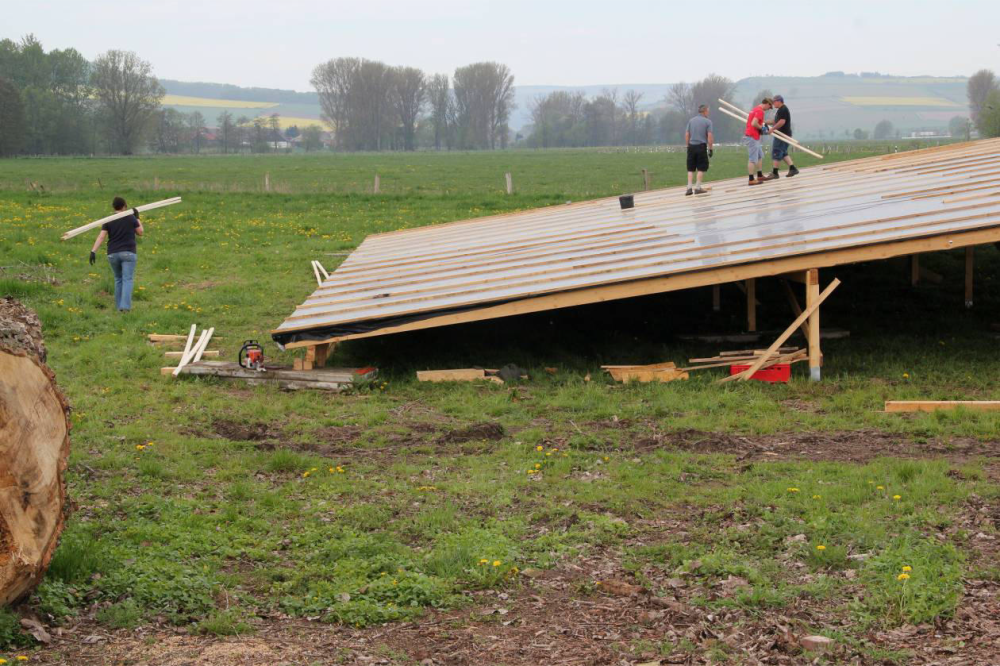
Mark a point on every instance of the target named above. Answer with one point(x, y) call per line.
point(185, 100)
point(562, 518)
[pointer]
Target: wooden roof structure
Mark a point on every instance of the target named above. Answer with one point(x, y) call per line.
point(566, 255)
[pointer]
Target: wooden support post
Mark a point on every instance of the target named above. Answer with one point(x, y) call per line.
point(815, 355)
point(267, 182)
point(375, 189)
point(716, 298)
point(969, 259)
point(645, 180)
point(914, 269)
point(510, 183)
point(752, 305)
point(322, 351)
point(156, 182)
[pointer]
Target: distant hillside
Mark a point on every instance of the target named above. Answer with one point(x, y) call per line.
point(835, 103)
point(823, 106)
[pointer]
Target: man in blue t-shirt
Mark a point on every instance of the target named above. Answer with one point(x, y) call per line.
point(122, 255)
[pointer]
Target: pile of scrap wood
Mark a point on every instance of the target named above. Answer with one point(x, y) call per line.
point(656, 372)
point(748, 356)
point(193, 350)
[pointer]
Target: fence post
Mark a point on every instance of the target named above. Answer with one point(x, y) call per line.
point(510, 184)
point(645, 180)
point(267, 182)
point(375, 189)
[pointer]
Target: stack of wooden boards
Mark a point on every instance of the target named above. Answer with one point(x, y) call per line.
point(749, 356)
point(656, 372)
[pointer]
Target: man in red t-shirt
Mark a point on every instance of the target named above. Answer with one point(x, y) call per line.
point(751, 139)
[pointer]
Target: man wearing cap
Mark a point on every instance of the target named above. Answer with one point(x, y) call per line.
point(699, 139)
point(779, 149)
point(751, 139)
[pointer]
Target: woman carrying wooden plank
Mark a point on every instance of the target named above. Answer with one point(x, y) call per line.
point(122, 252)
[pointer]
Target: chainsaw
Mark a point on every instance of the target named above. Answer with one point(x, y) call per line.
point(252, 356)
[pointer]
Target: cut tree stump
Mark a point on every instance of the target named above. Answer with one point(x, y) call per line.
point(34, 446)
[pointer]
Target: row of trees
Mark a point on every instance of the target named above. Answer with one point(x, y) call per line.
point(569, 119)
point(984, 102)
point(373, 106)
point(59, 103)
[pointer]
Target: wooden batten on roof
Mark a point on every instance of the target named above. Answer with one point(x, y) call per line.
point(561, 256)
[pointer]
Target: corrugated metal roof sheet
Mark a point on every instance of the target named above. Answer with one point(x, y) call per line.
point(428, 271)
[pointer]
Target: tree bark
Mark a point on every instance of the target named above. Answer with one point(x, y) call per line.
point(34, 447)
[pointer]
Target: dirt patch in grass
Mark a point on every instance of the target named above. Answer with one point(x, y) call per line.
point(242, 430)
point(585, 611)
point(853, 446)
point(485, 431)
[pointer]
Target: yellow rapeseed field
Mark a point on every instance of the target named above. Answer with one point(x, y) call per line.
point(899, 101)
point(183, 100)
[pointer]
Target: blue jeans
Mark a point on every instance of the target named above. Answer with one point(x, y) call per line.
point(123, 266)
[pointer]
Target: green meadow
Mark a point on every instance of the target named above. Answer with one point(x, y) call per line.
point(212, 508)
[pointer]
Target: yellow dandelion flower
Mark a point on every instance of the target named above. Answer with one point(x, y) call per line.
point(793, 490)
point(538, 465)
point(331, 470)
point(484, 561)
point(140, 447)
point(879, 487)
point(496, 563)
point(903, 576)
point(897, 497)
point(305, 474)
point(539, 448)
point(906, 375)
point(549, 454)
point(606, 459)
point(2, 661)
point(821, 547)
point(907, 567)
point(817, 497)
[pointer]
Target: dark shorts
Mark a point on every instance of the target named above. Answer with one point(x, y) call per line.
point(779, 149)
point(697, 157)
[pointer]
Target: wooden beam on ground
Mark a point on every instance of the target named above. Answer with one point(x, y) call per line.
point(812, 303)
point(319, 278)
point(457, 375)
point(751, 305)
point(813, 326)
point(333, 379)
point(935, 405)
point(969, 264)
point(111, 218)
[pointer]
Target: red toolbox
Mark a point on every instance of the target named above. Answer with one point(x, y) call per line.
point(779, 372)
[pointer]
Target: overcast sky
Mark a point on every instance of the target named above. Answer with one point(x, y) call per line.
point(276, 44)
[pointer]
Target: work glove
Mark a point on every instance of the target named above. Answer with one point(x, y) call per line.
point(93, 257)
point(710, 152)
point(766, 129)
point(135, 211)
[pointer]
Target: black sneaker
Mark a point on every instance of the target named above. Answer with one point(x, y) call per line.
point(689, 192)
point(791, 171)
point(775, 174)
point(699, 190)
